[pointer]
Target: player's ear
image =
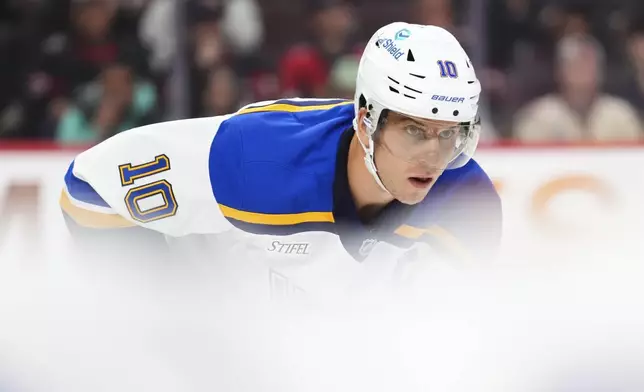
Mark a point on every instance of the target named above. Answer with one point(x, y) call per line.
point(363, 122)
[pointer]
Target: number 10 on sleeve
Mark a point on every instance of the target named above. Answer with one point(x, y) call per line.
point(161, 189)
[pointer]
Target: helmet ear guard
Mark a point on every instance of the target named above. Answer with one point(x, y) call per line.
point(369, 148)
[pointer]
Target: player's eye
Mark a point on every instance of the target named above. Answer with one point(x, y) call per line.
point(415, 131)
point(447, 133)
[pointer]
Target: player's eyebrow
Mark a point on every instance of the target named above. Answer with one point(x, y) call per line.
point(401, 119)
point(404, 119)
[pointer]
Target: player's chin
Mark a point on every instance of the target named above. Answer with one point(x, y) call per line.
point(414, 193)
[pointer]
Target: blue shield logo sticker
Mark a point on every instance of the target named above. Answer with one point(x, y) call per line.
point(403, 34)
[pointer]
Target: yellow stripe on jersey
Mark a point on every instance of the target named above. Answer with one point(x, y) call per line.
point(283, 107)
point(446, 238)
point(410, 232)
point(92, 219)
point(276, 219)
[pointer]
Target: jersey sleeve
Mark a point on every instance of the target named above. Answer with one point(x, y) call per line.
point(154, 177)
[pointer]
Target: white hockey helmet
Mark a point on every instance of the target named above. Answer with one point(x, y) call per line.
point(419, 71)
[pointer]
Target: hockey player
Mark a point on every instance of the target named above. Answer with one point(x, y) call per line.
point(309, 179)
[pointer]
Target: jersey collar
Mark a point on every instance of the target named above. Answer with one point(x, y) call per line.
point(354, 233)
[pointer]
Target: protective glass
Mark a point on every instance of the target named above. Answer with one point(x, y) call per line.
point(431, 145)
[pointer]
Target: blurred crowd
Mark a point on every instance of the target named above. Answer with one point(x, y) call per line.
point(79, 71)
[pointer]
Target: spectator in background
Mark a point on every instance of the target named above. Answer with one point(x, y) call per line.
point(570, 18)
point(117, 101)
point(304, 69)
point(579, 110)
point(243, 26)
point(520, 18)
point(208, 50)
point(521, 42)
point(239, 22)
point(22, 26)
point(448, 14)
point(629, 82)
point(92, 43)
point(512, 56)
point(222, 93)
point(342, 78)
point(434, 12)
point(75, 57)
point(220, 33)
point(157, 31)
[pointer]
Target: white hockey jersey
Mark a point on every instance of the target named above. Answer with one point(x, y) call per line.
point(273, 177)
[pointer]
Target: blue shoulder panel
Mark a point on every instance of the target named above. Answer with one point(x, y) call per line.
point(275, 164)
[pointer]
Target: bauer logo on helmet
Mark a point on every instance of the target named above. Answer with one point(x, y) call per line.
point(446, 98)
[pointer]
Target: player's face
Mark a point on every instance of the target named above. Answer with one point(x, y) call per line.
point(412, 153)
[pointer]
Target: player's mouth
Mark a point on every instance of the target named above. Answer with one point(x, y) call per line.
point(421, 182)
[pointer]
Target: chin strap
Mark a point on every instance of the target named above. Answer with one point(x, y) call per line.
point(368, 155)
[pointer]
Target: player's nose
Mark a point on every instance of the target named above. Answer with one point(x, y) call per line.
point(432, 148)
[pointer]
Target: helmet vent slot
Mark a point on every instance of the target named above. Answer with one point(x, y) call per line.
point(394, 90)
point(410, 56)
point(418, 76)
point(409, 96)
point(414, 90)
point(393, 80)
